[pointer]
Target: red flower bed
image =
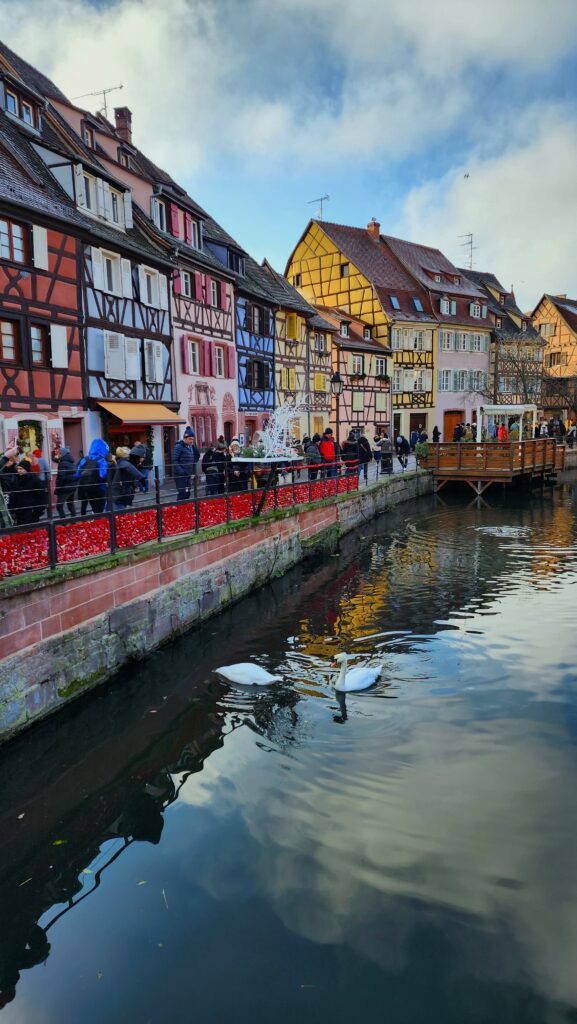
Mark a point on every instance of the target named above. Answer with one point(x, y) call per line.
point(21, 552)
point(285, 497)
point(317, 490)
point(178, 519)
point(302, 494)
point(80, 540)
point(212, 512)
point(135, 528)
point(240, 506)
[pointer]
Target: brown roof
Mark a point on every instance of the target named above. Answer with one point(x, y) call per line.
point(567, 308)
point(31, 76)
point(356, 337)
point(421, 261)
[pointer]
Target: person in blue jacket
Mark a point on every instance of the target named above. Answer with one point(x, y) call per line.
point(92, 474)
point(184, 458)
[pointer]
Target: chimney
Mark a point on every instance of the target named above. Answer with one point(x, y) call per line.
point(374, 228)
point(561, 295)
point(123, 118)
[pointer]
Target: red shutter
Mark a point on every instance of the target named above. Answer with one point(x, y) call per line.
point(174, 228)
point(200, 358)
point(185, 354)
point(207, 370)
point(187, 228)
point(230, 360)
point(177, 282)
point(198, 285)
point(222, 286)
point(208, 289)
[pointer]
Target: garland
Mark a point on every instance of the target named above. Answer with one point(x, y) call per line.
point(36, 425)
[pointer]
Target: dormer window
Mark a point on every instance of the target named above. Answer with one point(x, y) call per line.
point(475, 309)
point(437, 278)
point(445, 305)
point(21, 108)
point(498, 321)
point(344, 330)
point(297, 280)
point(456, 280)
point(12, 103)
point(159, 213)
point(395, 302)
point(115, 206)
point(417, 304)
point(367, 333)
point(89, 200)
point(88, 136)
point(98, 198)
point(236, 262)
point(122, 158)
point(523, 325)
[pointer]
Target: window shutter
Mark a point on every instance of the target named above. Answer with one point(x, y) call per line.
point(408, 380)
point(127, 201)
point(174, 226)
point(230, 359)
point(222, 289)
point(208, 289)
point(291, 325)
point(40, 247)
point(126, 278)
point(428, 341)
point(292, 380)
point(114, 367)
point(456, 381)
point(100, 198)
point(142, 284)
point(198, 286)
point(427, 380)
point(177, 283)
point(185, 349)
point(440, 380)
point(133, 369)
point(483, 311)
point(107, 201)
point(453, 307)
point(149, 361)
point(162, 292)
point(207, 360)
point(158, 351)
point(188, 228)
point(79, 185)
point(97, 269)
point(154, 211)
point(59, 346)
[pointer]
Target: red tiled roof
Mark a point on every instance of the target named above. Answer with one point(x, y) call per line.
point(356, 337)
point(418, 259)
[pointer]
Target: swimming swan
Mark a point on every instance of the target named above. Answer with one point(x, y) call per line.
point(358, 678)
point(247, 673)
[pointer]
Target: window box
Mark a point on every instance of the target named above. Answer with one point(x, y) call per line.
point(382, 376)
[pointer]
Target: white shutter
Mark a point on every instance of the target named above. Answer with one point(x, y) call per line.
point(132, 358)
point(427, 380)
point(79, 185)
point(59, 346)
point(428, 341)
point(107, 201)
point(97, 269)
point(127, 199)
point(100, 197)
point(126, 277)
point(158, 362)
point(162, 292)
point(114, 364)
point(142, 284)
point(40, 244)
point(149, 361)
point(408, 380)
point(154, 212)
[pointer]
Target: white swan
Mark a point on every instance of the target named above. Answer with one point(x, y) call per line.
point(358, 678)
point(247, 673)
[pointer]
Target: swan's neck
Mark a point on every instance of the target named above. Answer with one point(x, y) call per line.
point(340, 683)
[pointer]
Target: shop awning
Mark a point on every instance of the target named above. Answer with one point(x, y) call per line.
point(142, 414)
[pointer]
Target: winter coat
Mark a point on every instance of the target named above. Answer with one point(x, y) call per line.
point(314, 457)
point(364, 450)
point(386, 446)
point(350, 454)
point(125, 477)
point(28, 499)
point(98, 451)
point(66, 475)
point(403, 446)
point(328, 450)
point(184, 459)
point(6, 477)
point(214, 464)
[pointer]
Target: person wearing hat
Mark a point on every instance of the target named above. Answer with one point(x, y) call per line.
point(124, 479)
point(238, 473)
point(28, 499)
point(214, 465)
point(403, 450)
point(329, 450)
point(185, 455)
point(350, 454)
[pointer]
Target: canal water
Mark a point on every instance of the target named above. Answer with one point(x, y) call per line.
point(174, 848)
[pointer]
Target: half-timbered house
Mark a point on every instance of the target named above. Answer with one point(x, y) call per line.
point(364, 403)
point(517, 348)
point(121, 280)
point(555, 319)
point(302, 357)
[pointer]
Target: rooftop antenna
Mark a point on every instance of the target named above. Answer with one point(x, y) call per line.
point(468, 245)
point(321, 200)
point(103, 93)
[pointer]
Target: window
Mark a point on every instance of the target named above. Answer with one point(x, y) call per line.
point(344, 330)
point(9, 342)
point(417, 304)
point(186, 283)
point(150, 283)
point(218, 360)
point(256, 320)
point(445, 305)
point(477, 380)
point(88, 136)
point(320, 343)
point(397, 380)
point(194, 356)
point(475, 343)
point(419, 381)
point(418, 341)
point(547, 330)
point(320, 382)
point(438, 278)
point(357, 365)
point(446, 341)
point(194, 234)
point(122, 158)
point(461, 380)
point(111, 269)
point(523, 325)
point(555, 359)
point(236, 262)
point(214, 293)
point(380, 366)
point(457, 280)
point(88, 192)
point(39, 344)
point(257, 375)
point(12, 103)
point(21, 108)
point(297, 280)
point(498, 321)
point(444, 380)
point(114, 207)
point(12, 241)
point(344, 270)
point(358, 401)
point(27, 113)
point(475, 309)
point(395, 302)
point(396, 339)
point(367, 333)
point(159, 215)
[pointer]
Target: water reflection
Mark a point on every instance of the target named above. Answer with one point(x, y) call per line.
point(411, 849)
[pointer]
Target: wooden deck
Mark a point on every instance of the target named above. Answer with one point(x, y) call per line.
point(481, 464)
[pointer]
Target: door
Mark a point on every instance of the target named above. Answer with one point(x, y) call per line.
point(417, 419)
point(168, 442)
point(396, 424)
point(73, 438)
point(228, 431)
point(250, 427)
point(450, 420)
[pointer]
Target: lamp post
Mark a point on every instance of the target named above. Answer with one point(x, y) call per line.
point(337, 385)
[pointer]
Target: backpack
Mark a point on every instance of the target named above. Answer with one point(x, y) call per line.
point(89, 474)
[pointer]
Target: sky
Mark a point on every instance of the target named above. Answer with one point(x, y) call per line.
point(438, 120)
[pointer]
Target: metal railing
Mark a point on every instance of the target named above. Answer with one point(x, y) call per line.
point(161, 516)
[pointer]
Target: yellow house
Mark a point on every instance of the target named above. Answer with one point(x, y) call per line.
point(351, 271)
point(555, 318)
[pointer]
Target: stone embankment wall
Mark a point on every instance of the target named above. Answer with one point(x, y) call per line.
point(63, 632)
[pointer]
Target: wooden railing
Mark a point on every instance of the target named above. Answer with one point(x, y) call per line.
point(494, 459)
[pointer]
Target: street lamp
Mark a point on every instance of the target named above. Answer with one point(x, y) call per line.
point(337, 385)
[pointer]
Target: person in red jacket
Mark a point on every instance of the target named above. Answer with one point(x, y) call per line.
point(502, 434)
point(329, 451)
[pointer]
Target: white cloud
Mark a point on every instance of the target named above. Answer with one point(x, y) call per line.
point(520, 205)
